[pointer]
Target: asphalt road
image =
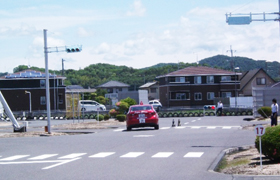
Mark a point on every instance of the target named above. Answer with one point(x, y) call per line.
point(182, 152)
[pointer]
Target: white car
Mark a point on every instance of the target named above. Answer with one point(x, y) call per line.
point(156, 104)
point(89, 105)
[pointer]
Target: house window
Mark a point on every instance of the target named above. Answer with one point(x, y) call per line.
point(180, 79)
point(180, 95)
point(210, 95)
point(110, 90)
point(60, 98)
point(120, 89)
point(43, 100)
point(153, 90)
point(197, 79)
point(210, 79)
point(197, 96)
point(42, 83)
point(261, 81)
point(226, 94)
point(226, 78)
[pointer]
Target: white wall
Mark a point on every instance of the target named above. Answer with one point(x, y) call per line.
point(242, 102)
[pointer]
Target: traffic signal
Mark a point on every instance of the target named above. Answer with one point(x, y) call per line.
point(73, 49)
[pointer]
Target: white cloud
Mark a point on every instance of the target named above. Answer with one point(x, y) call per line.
point(137, 9)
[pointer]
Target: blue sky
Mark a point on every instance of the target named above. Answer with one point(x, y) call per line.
point(135, 33)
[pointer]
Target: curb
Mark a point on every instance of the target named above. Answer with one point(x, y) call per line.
point(213, 167)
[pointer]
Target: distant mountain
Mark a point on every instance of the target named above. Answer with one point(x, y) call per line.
point(96, 74)
point(244, 64)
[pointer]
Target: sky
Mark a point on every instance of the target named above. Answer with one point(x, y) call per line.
point(134, 33)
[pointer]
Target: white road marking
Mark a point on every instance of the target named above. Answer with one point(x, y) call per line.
point(211, 127)
point(102, 155)
point(132, 155)
point(44, 156)
point(117, 130)
point(63, 162)
point(186, 123)
point(162, 155)
point(195, 127)
point(143, 135)
point(73, 155)
point(180, 127)
point(14, 157)
point(226, 127)
point(194, 154)
point(199, 119)
point(165, 128)
point(193, 120)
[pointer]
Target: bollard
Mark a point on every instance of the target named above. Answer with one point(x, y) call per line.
point(173, 123)
point(179, 122)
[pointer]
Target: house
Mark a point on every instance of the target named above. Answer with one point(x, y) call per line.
point(26, 91)
point(118, 90)
point(152, 88)
point(254, 78)
point(196, 86)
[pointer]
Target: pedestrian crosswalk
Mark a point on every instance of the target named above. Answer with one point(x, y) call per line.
point(97, 155)
point(191, 127)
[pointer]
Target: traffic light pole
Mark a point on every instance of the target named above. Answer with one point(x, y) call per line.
point(46, 51)
point(47, 82)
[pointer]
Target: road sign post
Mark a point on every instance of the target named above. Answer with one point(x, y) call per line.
point(260, 130)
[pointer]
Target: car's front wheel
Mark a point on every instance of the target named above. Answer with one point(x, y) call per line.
point(156, 127)
point(128, 128)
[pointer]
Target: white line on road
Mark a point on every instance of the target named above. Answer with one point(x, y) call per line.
point(211, 127)
point(226, 127)
point(132, 155)
point(117, 130)
point(44, 156)
point(165, 128)
point(180, 127)
point(186, 123)
point(193, 120)
point(14, 157)
point(162, 155)
point(74, 155)
point(143, 135)
point(63, 162)
point(102, 155)
point(194, 154)
point(195, 127)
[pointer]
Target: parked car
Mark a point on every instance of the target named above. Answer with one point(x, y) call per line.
point(89, 105)
point(141, 116)
point(156, 104)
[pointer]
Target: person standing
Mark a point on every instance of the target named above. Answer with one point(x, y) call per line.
point(219, 108)
point(274, 112)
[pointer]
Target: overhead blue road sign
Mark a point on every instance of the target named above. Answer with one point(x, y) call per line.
point(240, 20)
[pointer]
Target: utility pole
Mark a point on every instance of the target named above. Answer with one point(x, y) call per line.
point(62, 60)
point(231, 55)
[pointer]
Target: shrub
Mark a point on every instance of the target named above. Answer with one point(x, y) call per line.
point(129, 101)
point(121, 117)
point(99, 117)
point(122, 106)
point(113, 112)
point(270, 143)
point(106, 116)
point(264, 111)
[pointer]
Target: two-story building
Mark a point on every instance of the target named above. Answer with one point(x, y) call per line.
point(196, 86)
point(27, 89)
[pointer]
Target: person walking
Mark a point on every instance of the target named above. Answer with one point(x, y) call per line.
point(219, 108)
point(274, 112)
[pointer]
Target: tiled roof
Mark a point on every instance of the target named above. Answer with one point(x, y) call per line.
point(199, 70)
point(111, 84)
point(149, 84)
point(30, 74)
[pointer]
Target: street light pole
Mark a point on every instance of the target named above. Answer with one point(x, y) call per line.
point(28, 92)
point(236, 68)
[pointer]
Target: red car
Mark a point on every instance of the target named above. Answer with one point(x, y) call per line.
point(141, 116)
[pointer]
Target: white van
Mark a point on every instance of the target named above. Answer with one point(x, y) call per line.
point(89, 105)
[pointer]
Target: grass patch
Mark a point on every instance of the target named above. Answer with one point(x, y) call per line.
point(235, 162)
